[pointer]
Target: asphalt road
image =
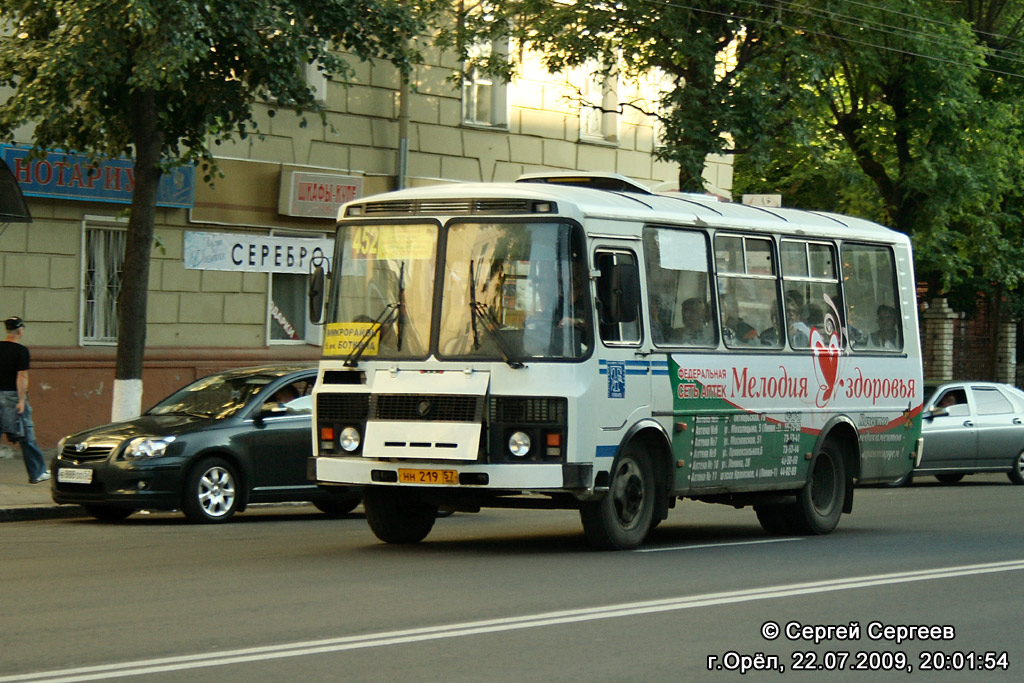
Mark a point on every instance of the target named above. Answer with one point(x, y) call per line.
point(287, 594)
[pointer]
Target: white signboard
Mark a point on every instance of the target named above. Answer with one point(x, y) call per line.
point(316, 195)
point(762, 199)
point(240, 252)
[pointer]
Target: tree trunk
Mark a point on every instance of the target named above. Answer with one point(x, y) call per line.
point(131, 302)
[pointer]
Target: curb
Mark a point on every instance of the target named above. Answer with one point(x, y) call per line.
point(28, 513)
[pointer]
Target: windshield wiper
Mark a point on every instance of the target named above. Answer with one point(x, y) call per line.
point(478, 310)
point(386, 317)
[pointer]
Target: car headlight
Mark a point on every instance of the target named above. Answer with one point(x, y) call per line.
point(147, 446)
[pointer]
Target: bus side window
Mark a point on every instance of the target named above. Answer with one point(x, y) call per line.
point(678, 287)
point(811, 284)
point(618, 297)
point(872, 311)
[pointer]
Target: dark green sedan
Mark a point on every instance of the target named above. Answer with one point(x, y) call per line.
point(209, 450)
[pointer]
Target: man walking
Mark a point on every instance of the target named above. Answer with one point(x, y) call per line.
point(15, 411)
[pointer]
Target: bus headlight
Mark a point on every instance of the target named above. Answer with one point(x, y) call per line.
point(519, 444)
point(349, 439)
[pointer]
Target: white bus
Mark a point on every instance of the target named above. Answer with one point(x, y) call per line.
point(571, 341)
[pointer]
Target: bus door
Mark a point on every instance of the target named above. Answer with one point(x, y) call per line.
point(625, 386)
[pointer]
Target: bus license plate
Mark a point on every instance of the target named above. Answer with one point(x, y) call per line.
point(66, 475)
point(450, 477)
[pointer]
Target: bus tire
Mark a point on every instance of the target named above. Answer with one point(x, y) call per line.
point(621, 519)
point(777, 520)
point(820, 502)
point(398, 515)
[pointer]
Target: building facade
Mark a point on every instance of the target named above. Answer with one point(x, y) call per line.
point(229, 262)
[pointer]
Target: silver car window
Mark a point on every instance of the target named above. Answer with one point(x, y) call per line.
point(990, 401)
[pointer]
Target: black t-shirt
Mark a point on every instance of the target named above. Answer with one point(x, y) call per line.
point(13, 359)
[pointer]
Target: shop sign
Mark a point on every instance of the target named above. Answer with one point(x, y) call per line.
point(251, 253)
point(316, 195)
point(63, 175)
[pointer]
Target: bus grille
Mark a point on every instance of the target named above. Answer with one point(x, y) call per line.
point(527, 410)
point(434, 407)
point(338, 407)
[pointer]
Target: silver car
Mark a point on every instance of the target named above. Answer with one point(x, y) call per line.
point(970, 428)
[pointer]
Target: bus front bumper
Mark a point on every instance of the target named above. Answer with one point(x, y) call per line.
point(510, 477)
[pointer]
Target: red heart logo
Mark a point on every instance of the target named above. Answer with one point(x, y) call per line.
point(828, 364)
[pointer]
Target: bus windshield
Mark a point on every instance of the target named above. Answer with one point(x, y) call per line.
point(514, 291)
point(383, 291)
point(511, 291)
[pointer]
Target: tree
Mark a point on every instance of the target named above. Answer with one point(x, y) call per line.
point(699, 48)
point(900, 113)
point(162, 80)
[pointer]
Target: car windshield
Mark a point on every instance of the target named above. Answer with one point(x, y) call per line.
point(217, 396)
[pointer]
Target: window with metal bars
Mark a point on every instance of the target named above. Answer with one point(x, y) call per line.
point(102, 276)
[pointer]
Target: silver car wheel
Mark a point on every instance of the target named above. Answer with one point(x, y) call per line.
point(217, 492)
point(1016, 474)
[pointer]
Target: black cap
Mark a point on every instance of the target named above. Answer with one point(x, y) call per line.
point(13, 323)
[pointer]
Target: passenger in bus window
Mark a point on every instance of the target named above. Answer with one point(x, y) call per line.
point(735, 329)
point(886, 336)
point(815, 317)
point(799, 332)
point(771, 336)
point(696, 329)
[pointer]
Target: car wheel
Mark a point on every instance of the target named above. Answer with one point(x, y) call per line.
point(211, 492)
point(338, 506)
point(621, 519)
point(1016, 474)
point(108, 513)
point(398, 515)
point(950, 478)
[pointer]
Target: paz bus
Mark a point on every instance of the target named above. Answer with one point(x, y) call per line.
point(579, 342)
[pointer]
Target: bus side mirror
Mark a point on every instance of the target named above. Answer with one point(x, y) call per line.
point(618, 291)
point(316, 294)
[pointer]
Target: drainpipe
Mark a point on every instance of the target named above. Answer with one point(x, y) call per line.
point(403, 134)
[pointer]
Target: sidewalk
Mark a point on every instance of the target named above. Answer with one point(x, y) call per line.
point(20, 500)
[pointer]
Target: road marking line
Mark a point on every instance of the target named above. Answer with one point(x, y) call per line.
point(388, 638)
point(715, 545)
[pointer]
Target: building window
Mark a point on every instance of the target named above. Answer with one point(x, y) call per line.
point(102, 274)
point(599, 103)
point(484, 97)
point(288, 307)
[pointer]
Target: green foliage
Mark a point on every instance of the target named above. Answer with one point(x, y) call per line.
point(699, 47)
point(75, 64)
point(903, 113)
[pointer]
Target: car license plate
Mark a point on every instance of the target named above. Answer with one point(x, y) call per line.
point(428, 476)
point(66, 475)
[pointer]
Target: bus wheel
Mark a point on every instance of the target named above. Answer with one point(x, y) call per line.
point(621, 519)
point(397, 515)
point(820, 502)
point(777, 520)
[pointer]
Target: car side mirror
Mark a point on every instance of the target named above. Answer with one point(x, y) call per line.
point(935, 412)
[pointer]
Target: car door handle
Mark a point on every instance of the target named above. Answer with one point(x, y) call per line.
point(1016, 421)
point(968, 423)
